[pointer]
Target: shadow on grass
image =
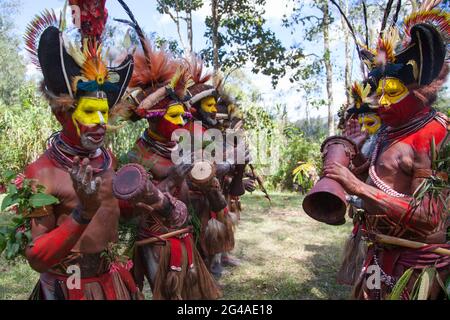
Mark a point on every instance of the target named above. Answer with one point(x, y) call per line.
point(318, 282)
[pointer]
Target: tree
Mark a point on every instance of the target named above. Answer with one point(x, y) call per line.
point(236, 34)
point(323, 5)
point(179, 11)
point(317, 20)
point(12, 69)
point(348, 64)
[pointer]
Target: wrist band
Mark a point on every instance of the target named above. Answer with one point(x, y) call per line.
point(76, 215)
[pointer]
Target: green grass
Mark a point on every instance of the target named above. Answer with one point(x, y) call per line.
point(284, 254)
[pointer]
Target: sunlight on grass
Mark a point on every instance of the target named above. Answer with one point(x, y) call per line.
point(284, 253)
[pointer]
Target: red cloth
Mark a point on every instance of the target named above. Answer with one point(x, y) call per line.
point(106, 282)
point(176, 252)
point(126, 209)
point(409, 258)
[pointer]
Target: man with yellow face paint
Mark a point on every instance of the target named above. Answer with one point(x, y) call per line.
point(398, 208)
point(90, 118)
point(214, 247)
point(173, 267)
point(76, 168)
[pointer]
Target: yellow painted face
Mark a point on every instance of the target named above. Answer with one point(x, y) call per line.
point(209, 105)
point(175, 114)
point(370, 122)
point(391, 91)
point(90, 112)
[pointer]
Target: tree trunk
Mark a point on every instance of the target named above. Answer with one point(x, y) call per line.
point(190, 34)
point(328, 66)
point(348, 60)
point(215, 35)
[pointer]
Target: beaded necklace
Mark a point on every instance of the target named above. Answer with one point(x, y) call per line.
point(393, 135)
point(63, 154)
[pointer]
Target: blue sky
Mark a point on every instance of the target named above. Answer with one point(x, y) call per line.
point(147, 15)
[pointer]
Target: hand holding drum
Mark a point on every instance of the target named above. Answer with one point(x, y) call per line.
point(202, 173)
point(132, 183)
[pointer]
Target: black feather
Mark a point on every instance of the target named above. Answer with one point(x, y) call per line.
point(349, 26)
point(366, 23)
point(387, 11)
point(397, 11)
point(135, 25)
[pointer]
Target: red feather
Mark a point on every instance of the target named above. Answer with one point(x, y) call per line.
point(163, 68)
point(34, 30)
point(436, 17)
point(195, 66)
point(93, 17)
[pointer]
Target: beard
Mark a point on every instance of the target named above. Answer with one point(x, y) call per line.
point(92, 138)
point(207, 118)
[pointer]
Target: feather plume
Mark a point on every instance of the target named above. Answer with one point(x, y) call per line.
point(350, 27)
point(428, 5)
point(94, 67)
point(387, 11)
point(195, 66)
point(93, 17)
point(436, 17)
point(360, 93)
point(135, 25)
point(397, 11)
point(366, 22)
point(34, 30)
point(62, 102)
point(181, 81)
point(158, 73)
point(386, 46)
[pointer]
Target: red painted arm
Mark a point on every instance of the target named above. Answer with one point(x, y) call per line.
point(50, 248)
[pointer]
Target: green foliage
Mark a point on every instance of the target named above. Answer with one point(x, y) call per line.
point(298, 149)
point(243, 37)
point(435, 189)
point(12, 69)
point(24, 128)
point(122, 140)
point(401, 284)
point(14, 237)
point(22, 198)
point(303, 176)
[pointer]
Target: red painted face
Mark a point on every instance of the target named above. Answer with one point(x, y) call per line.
point(165, 128)
point(89, 137)
point(400, 113)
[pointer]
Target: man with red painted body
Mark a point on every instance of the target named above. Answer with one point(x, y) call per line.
point(74, 235)
point(217, 219)
point(157, 90)
point(405, 86)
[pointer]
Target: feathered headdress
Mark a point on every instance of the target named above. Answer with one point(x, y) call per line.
point(158, 80)
point(360, 99)
point(419, 58)
point(200, 77)
point(74, 72)
point(92, 16)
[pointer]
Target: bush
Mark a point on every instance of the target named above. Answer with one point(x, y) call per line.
point(298, 149)
point(24, 129)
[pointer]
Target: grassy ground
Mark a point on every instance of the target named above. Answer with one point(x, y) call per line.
point(284, 254)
